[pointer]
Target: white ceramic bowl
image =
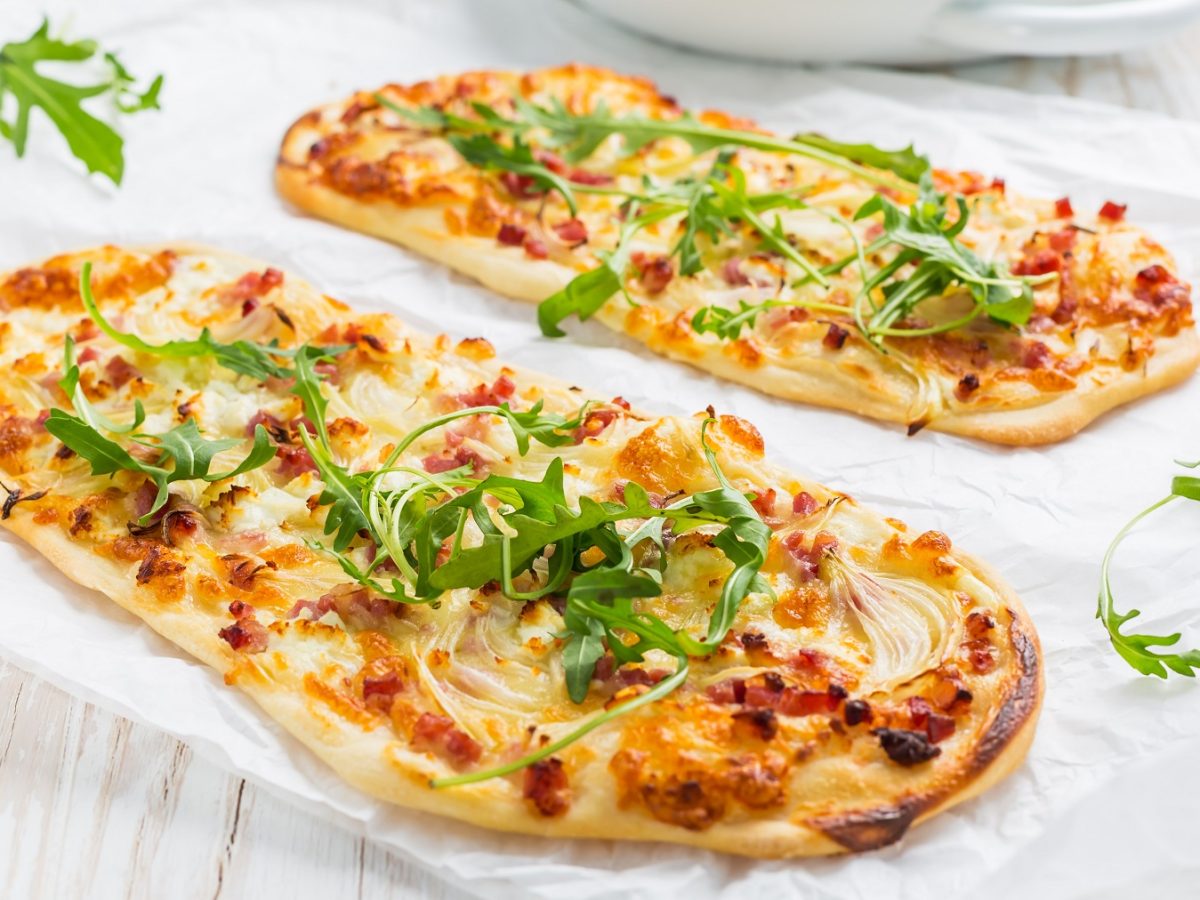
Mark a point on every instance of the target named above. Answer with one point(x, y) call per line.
point(900, 31)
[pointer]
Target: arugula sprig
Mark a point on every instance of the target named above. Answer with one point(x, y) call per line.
point(95, 143)
point(1139, 649)
point(184, 447)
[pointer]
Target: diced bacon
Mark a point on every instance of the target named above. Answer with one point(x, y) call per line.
point(119, 372)
point(808, 559)
point(804, 504)
point(605, 666)
point(764, 690)
point(86, 330)
point(294, 461)
point(628, 675)
point(379, 691)
point(274, 427)
point(143, 498)
point(462, 456)
point(920, 711)
point(764, 503)
point(1063, 208)
point(572, 231)
point(939, 727)
point(1063, 241)
point(546, 787)
point(583, 176)
point(1039, 262)
point(252, 286)
point(835, 337)
point(1113, 212)
point(732, 272)
point(654, 271)
point(1154, 274)
point(999, 185)
point(797, 702)
point(316, 608)
point(438, 734)
point(279, 385)
point(40, 421)
point(621, 402)
point(511, 235)
point(595, 422)
point(329, 370)
point(732, 690)
point(1035, 355)
point(535, 249)
point(89, 354)
point(523, 187)
point(501, 390)
point(246, 634)
point(551, 161)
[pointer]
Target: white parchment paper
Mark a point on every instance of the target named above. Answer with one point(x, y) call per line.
point(1105, 804)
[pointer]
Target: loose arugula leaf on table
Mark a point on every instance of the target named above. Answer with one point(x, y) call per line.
point(95, 143)
point(1139, 649)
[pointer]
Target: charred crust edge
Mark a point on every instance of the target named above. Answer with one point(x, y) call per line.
point(870, 829)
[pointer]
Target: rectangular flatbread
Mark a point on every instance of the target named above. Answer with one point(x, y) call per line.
point(475, 591)
point(820, 272)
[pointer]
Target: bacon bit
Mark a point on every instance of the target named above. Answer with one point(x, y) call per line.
point(835, 337)
point(654, 271)
point(1035, 355)
point(523, 187)
point(597, 420)
point(764, 503)
point(143, 498)
point(797, 702)
point(572, 231)
point(732, 690)
point(939, 727)
point(761, 723)
point(1063, 208)
point(379, 691)
point(275, 428)
point(89, 354)
point(804, 504)
point(438, 734)
point(294, 461)
point(511, 235)
point(501, 390)
point(583, 176)
point(255, 284)
point(546, 787)
point(919, 711)
point(316, 608)
point(998, 185)
point(329, 370)
point(809, 558)
point(1155, 274)
point(536, 249)
point(119, 372)
point(732, 272)
point(908, 748)
point(551, 161)
point(86, 330)
point(755, 641)
point(983, 658)
point(631, 675)
point(242, 570)
point(246, 634)
point(1063, 241)
point(157, 564)
point(764, 690)
point(1114, 212)
point(856, 712)
point(967, 385)
point(1039, 262)
point(463, 456)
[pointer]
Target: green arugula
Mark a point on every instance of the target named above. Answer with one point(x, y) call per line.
point(1138, 649)
point(907, 163)
point(95, 143)
point(481, 151)
point(190, 453)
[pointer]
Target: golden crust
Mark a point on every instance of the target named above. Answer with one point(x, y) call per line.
point(370, 758)
point(857, 379)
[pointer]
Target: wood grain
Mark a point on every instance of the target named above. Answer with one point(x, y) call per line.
point(92, 805)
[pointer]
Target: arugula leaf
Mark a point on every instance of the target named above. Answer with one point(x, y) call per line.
point(481, 151)
point(70, 386)
point(1139, 649)
point(189, 452)
point(95, 143)
point(906, 163)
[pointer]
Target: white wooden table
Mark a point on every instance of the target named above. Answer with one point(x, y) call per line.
point(92, 805)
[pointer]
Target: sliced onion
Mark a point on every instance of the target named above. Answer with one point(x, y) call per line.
point(908, 626)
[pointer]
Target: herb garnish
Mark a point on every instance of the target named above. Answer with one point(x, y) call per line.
point(92, 141)
point(1137, 649)
point(924, 258)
